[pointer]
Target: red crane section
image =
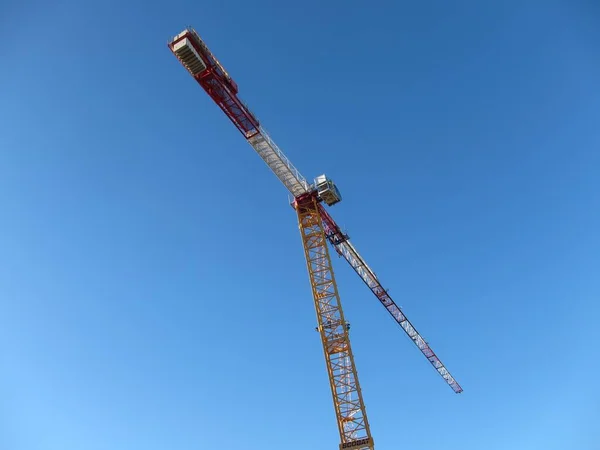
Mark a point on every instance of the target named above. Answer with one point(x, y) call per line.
point(210, 74)
point(195, 56)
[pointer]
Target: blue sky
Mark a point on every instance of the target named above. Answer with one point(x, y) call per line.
point(153, 292)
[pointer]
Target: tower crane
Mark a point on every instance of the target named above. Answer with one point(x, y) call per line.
point(317, 228)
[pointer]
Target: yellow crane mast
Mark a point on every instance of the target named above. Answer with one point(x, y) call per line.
point(351, 415)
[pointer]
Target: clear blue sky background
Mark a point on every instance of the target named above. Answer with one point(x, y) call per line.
point(153, 292)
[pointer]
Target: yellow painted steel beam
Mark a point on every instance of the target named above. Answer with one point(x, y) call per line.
point(349, 407)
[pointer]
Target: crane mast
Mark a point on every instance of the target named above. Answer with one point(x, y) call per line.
point(333, 328)
point(317, 227)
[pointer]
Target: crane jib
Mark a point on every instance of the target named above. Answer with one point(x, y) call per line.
point(342, 245)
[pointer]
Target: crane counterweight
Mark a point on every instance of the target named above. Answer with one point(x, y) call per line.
point(189, 57)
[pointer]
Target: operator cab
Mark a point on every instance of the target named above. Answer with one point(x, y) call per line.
point(327, 190)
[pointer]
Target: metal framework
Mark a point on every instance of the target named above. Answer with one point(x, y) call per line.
point(350, 410)
point(279, 163)
point(223, 90)
point(344, 247)
point(317, 228)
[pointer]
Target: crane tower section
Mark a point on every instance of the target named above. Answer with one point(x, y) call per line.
point(351, 415)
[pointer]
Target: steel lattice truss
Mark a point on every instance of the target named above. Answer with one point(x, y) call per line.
point(333, 329)
point(317, 228)
point(344, 247)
